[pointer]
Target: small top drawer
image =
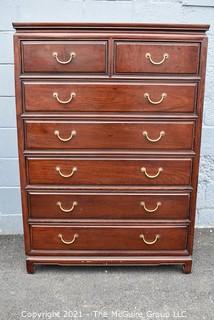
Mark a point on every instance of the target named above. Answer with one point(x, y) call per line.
point(156, 57)
point(64, 56)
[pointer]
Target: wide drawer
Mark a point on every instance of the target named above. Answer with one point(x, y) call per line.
point(77, 171)
point(64, 56)
point(75, 206)
point(108, 238)
point(109, 97)
point(109, 135)
point(157, 57)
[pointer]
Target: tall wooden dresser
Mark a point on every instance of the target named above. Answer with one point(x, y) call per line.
point(109, 124)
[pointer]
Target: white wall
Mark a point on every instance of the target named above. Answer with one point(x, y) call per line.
point(171, 11)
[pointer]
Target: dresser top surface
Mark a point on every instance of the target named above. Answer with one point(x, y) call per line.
point(87, 26)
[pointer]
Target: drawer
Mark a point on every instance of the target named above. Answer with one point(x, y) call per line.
point(157, 57)
point(78, 171)
point(109, 97)
point(75, 206)
point(109, 135)
point(64, 56)
point(108, 238)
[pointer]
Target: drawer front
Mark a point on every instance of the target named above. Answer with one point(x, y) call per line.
point(73, 206)
point(109, 97)
point(64, 56)
point(122, 135)
point(109, 172)
point(157, 57)
point(108, 238)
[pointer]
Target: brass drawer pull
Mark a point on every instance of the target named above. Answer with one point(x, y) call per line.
point(74, 169)
point(150, 210)
point(56, 96)
point(72, 55)
point(68, 242)
point(163, 96)
point(59, 204)
point(145, 134)
point(151, 176)
point(73, 133)
point(149, 57)
point(157, 237)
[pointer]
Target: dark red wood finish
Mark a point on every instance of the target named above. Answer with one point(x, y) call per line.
point(131, 57)
point(117, 214)
point(109, 172)
point(109, 97)
point(108, 238)
point(90, 56)
point(109, 135)
point(109, 206)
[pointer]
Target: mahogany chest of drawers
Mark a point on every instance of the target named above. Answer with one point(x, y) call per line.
point(109, 124)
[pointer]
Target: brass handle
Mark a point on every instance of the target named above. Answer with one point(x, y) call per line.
point(59, 204)
point(151, 176)
point(56, 96)
point(72, 55)
point(150, 210)
point(68, 242)
point(73, 133)
point(157, 237)
point(74, 169)
point(163, 96)
point(145, 134)
point(149, 57)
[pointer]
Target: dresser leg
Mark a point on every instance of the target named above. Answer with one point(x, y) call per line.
point(187, 267)
point(30, 267)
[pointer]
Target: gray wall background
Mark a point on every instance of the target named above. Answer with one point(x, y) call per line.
point(172, 11)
